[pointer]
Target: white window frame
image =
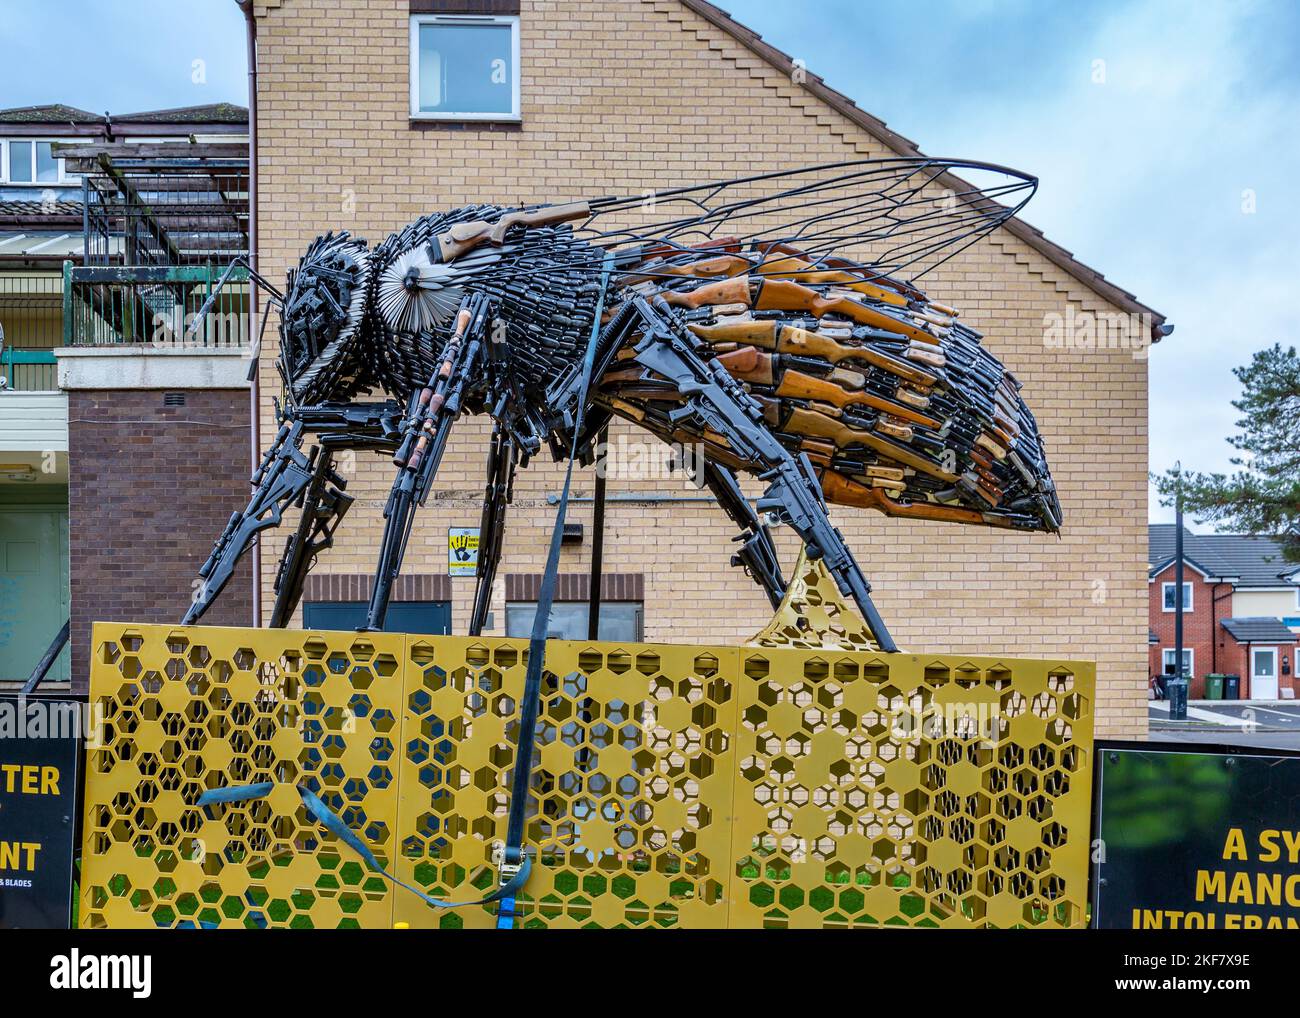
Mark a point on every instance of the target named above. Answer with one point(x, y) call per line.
point(512, 20)
point(4, 164)
point(1187, 597)
point(1169, 652)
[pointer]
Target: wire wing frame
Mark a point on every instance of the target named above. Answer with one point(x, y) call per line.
point(902, 216)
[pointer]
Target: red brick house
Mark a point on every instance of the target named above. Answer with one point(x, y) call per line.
point(1241, 611)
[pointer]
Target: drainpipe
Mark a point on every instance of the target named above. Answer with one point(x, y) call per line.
point(1214, 624)
point(254, 387)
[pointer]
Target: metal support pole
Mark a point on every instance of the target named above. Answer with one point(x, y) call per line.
point(1178, 686)
point(597, 535)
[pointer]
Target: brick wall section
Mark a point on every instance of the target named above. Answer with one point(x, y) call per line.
point(624, 96)
point(357, 587)
point(1209, 642)
point(150, 487)
point(576, 586)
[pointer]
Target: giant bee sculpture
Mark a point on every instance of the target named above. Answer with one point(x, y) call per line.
point(774, 322)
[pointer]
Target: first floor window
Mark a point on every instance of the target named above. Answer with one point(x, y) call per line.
point(31, 162)
point(1169, 590)
point(1168, 660)
point(464, 67)
point(620, 621)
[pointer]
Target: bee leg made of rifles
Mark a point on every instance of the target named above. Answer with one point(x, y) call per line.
point(757, 554)
point(503, 457)
point(323, 507)
point(279, 482)
point(714, 401)
point(410, 488)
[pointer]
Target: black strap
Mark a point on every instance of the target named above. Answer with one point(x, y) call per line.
point(530, 703)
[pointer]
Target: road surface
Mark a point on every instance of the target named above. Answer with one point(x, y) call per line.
point(1244, 723)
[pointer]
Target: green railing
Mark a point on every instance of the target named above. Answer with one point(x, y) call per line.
point(29, 370)
point(31, 326)
point(154, 305)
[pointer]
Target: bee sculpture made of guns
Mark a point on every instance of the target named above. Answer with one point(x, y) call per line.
point(773, 322)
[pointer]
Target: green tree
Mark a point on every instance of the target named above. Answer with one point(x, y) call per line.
point(1262, 497)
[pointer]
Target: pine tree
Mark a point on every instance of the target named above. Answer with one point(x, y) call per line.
point(1262, 497)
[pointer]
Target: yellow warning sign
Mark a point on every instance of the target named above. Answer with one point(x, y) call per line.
point(462, 551)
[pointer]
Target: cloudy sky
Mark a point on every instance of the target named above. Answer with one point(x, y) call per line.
point(1162, 133)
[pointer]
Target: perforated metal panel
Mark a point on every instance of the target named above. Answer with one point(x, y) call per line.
point(674, 785)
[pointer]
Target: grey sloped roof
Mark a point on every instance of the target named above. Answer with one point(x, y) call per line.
point(1255, 561)
point(1160, 551)
point(51, 113)
point(211, 113)
point(1258, 630)
point(32, 209)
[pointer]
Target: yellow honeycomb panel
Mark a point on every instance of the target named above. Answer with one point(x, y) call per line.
point(186, 710)
point(673, 786)
point(629, 818)
point(897, 789)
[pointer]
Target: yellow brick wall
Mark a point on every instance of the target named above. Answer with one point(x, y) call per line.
point(624, 96)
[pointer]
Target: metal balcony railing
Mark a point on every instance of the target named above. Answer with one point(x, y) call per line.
point(107, 305)
point(31, 326)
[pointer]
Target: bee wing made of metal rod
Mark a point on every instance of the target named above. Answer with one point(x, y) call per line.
point(900, 216)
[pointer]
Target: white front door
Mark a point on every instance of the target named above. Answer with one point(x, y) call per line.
point(1263, 673)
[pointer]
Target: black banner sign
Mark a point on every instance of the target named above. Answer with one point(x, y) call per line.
point(40, 744)
point(1196, 839)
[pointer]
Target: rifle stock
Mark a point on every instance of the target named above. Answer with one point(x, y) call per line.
point(784, 295)
point(465, 237)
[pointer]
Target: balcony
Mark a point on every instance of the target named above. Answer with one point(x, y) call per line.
point(31, 313)
point(155, 306)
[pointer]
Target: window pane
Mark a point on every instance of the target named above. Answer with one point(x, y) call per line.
point(1169, 597)
point(619, 620)
point(20, 160)
point(466, 69)
point(47, 167)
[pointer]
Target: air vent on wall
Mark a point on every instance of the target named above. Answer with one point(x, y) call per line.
point(173, 399)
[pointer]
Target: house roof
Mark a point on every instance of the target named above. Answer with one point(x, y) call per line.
point(26, 209)
point(58, 120)
point(877, 128)
point(1258, 630)
point(51, 113)
point(210, 113)
point(1253, 561)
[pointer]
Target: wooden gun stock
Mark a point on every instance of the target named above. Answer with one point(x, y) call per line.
point(783, 295)
point(722, 265)
point(747, 333)
point(801, 271)
point(842, 491)
point(834, 262)
point(797, 385)
point(809, 344)
point(727, 291)
point(816, 425)
point(465, 237)
point(750, 365)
